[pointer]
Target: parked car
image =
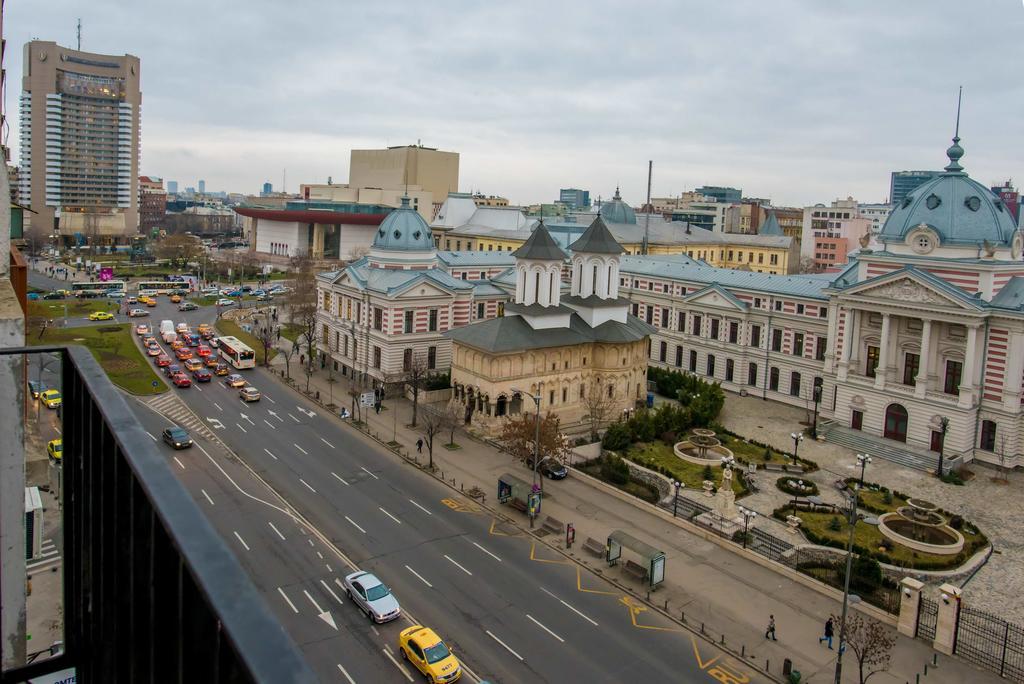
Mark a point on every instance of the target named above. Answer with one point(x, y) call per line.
point(36, 388)
point(422, 647)
point(53, 295)
point(248, 394)
point(55, 449)
point(177, 437)
point(32, 296)
point(50, 397)
point(372, 597)
point(549, 467)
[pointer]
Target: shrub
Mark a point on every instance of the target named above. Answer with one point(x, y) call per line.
point(708, 475)
point(789, 485)
point(887, 497)
point(767, 454)
point(437, 381)
point(616, 437)
point(867, 573)
point(834, 524)
point(953, 478)
point(615, 470)
point(956, 522)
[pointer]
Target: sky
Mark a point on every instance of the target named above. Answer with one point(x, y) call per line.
point(799, 101)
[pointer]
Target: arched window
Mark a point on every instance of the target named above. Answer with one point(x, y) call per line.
point(896, 419)
point(536, 287)
point(593, 285)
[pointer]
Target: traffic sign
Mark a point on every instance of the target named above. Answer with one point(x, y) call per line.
point(368, 399)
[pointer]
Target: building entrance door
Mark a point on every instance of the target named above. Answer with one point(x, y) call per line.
point(896, 423)
point(857, 420)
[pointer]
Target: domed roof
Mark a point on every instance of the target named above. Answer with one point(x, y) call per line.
point(617, 211)
point(960, 210)
point(404, 230)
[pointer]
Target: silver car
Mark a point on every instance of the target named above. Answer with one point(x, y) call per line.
point(372, 597)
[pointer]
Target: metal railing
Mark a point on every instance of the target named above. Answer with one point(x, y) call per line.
point(151, 592)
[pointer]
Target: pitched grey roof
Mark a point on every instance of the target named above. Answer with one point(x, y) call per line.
point(512, 334)
point(680, 267)
point(597, 239)
point(389, 281)
point(540, 246)
point(536, 309)
point(1011, 296)
point(594, 302)
point(477, 258)
point(771, 226)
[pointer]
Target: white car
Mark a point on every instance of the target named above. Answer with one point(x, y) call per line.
point(225, 302)
point(372, 597)
point(210, 291)
point(248, 394)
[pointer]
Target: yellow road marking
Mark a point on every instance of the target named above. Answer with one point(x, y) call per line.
point(579, 585)
point(497, 533)
point(635, 608)
point(533, 556)
point(726, 672)
point(461, 506)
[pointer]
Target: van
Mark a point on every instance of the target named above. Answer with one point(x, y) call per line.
point(167, 331)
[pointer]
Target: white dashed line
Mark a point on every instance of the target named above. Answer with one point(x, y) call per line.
point(320, 555)
point(339, 478)
point(294, 418)
point(347, 676)
point(534, 621)
point(151, 435)
point(300, 448)
point(420, 507)
point(180, 464)
point(491, 634)
point(242, 540)
point(207, 496)
point(418, 575)
point(276, 530)
point(270, 454)
point(241, 428)
point(568, 606)
point(218, 406)
point(307, 485)
point(326, 442)
point(269, 424)
point(389, 515)
point(399, 665)
point(354, 524)
point(269, 399)
point(370, 474)
point(487, 552)
point(285, 597)
point(456, 564)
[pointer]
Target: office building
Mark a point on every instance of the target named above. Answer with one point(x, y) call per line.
point(433, 170)
point(1010, 197)
point(152, 204)
point(172, 187)
point(267, 189)
point(80, 143)
point(202, 187)
point(574, 198)
point(721, 194)
point(902, 183)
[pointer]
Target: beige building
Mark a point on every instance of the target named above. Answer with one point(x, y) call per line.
point(581, 354)
point(430, 169)
point(80, 135)
point(421, 200)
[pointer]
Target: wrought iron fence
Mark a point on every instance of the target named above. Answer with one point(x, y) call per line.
point(927, 618)
point(884, 597)
point(990, 642)
point(768, 545)
point(684, 507)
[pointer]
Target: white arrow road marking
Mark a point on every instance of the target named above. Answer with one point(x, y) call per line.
point(347, 675)
point(242, 428)
point(339, 478)
point(354, 524)
point(420, 507)
point(389, 515)
point(487, 552)
point(245, 417)
point(326, 442)
point(331, 592)
point(307, 412)
point(419, 576)
point(242, 540)
point(387, 652)
point(534, 621)
point(300, 448)
point(285, 597)
point(370, 474)
point(491, 634)
point(275, 415)
point(215, 423)
point(307, 485)
point(325, 615)
point(455, 563)
point(207, 496)
point(270, 454)
point(276, 530)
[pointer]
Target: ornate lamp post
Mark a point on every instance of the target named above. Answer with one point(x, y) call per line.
point(817, 400)
point(748, 517)
point(943, 429)
point(675, 502)
point(797, 437)
point(862, 460)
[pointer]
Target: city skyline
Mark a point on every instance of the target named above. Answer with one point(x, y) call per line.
point(783, 114)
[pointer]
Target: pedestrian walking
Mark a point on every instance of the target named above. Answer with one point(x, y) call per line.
point(278, 334)
point(419, 446)
point(302, 359)
point(770, 632)
point(829, 630)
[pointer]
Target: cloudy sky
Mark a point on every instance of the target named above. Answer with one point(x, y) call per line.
point(797, 100)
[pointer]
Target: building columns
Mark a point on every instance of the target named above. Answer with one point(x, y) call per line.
point(882, 370)
point(967, 378)
point(848, 343)
point(924, 367)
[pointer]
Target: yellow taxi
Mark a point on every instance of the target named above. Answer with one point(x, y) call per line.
point(429, 654)
point(177, 344)
point(55, 449)
point(203, 327)
point(176, 299)
point(150, 302)
point(145, 299)
point(51, 398)
point(193, 364)
point(101, 316)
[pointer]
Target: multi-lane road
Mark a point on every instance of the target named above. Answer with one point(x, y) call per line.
point(303, 499)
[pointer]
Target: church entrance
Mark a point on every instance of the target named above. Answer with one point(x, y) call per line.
point(896, 423)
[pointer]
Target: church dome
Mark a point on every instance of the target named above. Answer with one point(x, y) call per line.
point(404, 230)
point(960, 210)
point(617, 211)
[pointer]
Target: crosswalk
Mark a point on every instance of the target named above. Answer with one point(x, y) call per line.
point(48, 558)
point(171, 406)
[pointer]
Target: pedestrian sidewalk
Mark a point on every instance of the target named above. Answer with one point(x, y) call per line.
point(710, 582)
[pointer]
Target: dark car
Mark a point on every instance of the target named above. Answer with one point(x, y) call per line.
point(202, 375)
point(549, 467)
point(177, 438)
point(36, 388)
point(53, 295)
point(172, 370)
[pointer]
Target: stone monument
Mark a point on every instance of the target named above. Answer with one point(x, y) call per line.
point(723, 516)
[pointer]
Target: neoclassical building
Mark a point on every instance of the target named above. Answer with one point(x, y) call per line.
point(562, 349)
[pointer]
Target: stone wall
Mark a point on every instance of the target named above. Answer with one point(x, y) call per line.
point(430, 397)
point(826, 554)
point(649, 477)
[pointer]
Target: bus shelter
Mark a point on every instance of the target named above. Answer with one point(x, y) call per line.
point(511, 487)
point(651, 559)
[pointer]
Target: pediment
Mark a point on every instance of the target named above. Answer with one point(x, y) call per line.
point(909, 291)
point(715, 297)
point(420, 287)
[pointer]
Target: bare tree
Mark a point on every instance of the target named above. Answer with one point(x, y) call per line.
point(264, 333)
point(433, 425)
point(598, 405)
point(870, 642)
point(288, 351)
point(415, 377)
point(179, 249)
point(807, 265)
point(452, 415)
point(302, 307)
point(358, 252)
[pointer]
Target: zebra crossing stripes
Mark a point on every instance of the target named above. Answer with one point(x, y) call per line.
point(171, 406)
point(49, 558)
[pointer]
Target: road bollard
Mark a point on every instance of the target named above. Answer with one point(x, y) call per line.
point(702, 628)
point(666, 606)
point(926, 669)
point(935, 659)
point(462, 487)
point(743, 651)
point(723, 638)
point(766, 663)
point(682, 615)
point(648, 595)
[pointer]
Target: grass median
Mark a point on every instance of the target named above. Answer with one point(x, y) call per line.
point(116, 351)
point(77, 308)
point(232, 329)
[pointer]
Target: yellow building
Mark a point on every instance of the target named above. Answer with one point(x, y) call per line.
point(581, 355)
point(433, 170)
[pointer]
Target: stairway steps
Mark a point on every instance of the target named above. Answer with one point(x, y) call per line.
point(881, 448)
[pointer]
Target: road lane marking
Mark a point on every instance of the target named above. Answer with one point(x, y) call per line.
point(339, 478)
point(371, 474)
point(354, 524)
point(534, 621)
point(269, 424)
point(310, 542)
point(241, 428)
point(151, 435)
point(285, 597)
point(242, 540)
point(487, 552)
point(401, 668)
point(307, 485)
point(276, 530)
point(420, 507)
point(57, 430)
point(326, 442)
point(419, 576)
point(270, 454)
point(198, 388)
point(218, 406)
point(568, 606)
point(389, 515)
point(456, 564)
point(176, 460)
point(320, 555)
point(207, 496)
point(275, 415)
point(340, 585)
point(347, 676)
point(375, 630)
point(269, 399)
point(329, 571)
point(294, 418)
point(300, 448)
point(491, 634)
point(324, 615)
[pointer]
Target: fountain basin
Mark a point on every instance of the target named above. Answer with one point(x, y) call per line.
point(712, 455)
point(940, 540)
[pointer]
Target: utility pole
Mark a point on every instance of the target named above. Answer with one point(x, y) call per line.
point(647, 208)
point(79, 33)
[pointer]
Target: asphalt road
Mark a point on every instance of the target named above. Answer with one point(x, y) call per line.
point(510, 607)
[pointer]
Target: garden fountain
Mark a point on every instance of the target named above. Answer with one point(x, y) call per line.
point(702, 447)
point(919, 526)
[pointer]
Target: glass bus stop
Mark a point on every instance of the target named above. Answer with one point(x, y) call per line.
point(651, 567)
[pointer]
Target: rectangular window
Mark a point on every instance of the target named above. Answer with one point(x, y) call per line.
point(376, 357)
point(857, 419)
point(649, 314)
point(774, 260)
point(734, 332)
point(378, 318)
point(776, 340)
point(757, 302)
point(755, 336)
point(679, 356)
point(798, 344)
point(662, 351)
point(954, 370)
point(693, 361)
point(407, 359)
point(714, 328)
point(431, 358)
point(551, 398)
point(345, 346)
point(327, 302)
point(778, 306)
point(911, 364)
point(695, 327)
point(409, 320)
point(822, 312)
point(636, 309)
point(773, 379)
point(988, 435)
point(664, 317)
point(820, 345)
point(681, 321)
point(799, 308)
point(565, 394)
point(480, 310)
point(729, 368)
point(711, 365)
point(752, 374)
point(871, 362)
point(432, 322)
point(794, 384)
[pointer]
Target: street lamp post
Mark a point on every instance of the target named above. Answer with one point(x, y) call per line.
point(675, 502)
point(797, 438)
point(862, 460)
point(943, 429)
point(817, 400)
point(748, 517)
point(846, 587)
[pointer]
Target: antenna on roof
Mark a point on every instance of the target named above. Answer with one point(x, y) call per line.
point(647, 209)
point(959, 98)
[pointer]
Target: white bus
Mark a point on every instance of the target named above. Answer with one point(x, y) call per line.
point(159, 287)
point(98, 287)
point(236, 352)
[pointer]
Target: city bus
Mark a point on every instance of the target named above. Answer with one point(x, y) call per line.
point(97, 287)
point(235, 352)
point(159, 287)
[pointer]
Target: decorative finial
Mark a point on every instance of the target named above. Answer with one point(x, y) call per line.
point(617, 195)
point(405, 202)
point(955, 152)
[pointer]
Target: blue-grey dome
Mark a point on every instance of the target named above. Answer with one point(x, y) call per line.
point(960, 210)
point(404, 230)
point(617, 211)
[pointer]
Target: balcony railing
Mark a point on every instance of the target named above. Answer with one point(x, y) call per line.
point(151, 593)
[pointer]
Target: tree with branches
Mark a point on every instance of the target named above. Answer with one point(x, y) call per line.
point(433, 424)
point(302, 307)
point(598, 406)
point(870, 641)
point(179, 249)
point(519, 438)
point(263, 330)
point(415, 377)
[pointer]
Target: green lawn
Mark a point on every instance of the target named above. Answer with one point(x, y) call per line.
point(230, 328)
point(747, 451)
point(77, 308)
point(116, 351)
point(291, 331)
point(690, 474)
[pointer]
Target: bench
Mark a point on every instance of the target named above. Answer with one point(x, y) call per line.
point(519, 505)
point(635, 569)
point(553, 526)
point(775, 467)
point(595, 547)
